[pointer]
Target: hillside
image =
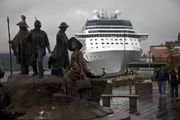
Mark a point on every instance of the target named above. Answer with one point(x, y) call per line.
point(6, 64)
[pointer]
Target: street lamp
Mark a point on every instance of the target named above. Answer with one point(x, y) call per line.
point(125, 52)
point(149, 62)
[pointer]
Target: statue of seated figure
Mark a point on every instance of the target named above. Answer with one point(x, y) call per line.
point(74, 78)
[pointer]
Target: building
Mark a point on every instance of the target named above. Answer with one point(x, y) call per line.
point(160, 52)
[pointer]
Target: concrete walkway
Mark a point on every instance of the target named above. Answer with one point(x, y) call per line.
point(150, 107)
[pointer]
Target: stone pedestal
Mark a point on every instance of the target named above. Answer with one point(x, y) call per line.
point(144, 88)
point(32, 98)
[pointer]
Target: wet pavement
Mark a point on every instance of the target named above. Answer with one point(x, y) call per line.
point(150, 107)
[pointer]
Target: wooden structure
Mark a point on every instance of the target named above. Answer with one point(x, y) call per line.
point(132, 101)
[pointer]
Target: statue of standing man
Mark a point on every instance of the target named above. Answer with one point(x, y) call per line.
point(21, 47)
point(59, 59)
point(40, 42)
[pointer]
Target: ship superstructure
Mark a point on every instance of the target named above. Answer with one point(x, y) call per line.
point(109, 42)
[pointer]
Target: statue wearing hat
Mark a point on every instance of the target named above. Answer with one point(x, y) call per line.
point(21, 47)
point(78, 70)
point(40, 42)
point(59, 59)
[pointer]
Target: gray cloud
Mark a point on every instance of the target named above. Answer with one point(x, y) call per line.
point(159, 18)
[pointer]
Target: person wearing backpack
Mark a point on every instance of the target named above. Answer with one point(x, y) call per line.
point(162, 77)
point(173, 77)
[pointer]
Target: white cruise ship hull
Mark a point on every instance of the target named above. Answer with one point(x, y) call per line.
point(112, 61)
point(110, 42)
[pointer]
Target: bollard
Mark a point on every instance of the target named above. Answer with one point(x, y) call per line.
point(106, 101)
point(108, 89)
point(132, 105)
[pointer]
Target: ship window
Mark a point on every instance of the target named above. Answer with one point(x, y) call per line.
point(107, 43)
point(120, 39)
point(132, 43)
point(134, 39)
point(122, 43)
point(117, 43)
point(116, 39)
point(112, 43)
point(90, 39)
point(91, 43)
point(91, 47)
point(102, 39)
point(95, 39)
point(102, 42)
point(111, 39)
point(136, 43)
point(96, 47)
point(102, 46)
point(96, 43)
point(126, 43)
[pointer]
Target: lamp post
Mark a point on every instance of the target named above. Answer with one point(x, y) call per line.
point(149, 63)
point(125, 52)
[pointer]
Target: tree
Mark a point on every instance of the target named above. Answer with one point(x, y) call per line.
point(170, 50)
point(178, 37)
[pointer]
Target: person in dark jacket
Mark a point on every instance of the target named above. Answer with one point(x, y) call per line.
point(40, 42)
point(162, 77)
point(173, 77)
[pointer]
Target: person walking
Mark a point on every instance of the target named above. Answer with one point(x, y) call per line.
point(162, 77)
point(173, 77)
point(21, 47)
point(40, 42)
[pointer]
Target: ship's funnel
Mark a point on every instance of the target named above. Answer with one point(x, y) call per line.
point(96, 14)
point(117, 14)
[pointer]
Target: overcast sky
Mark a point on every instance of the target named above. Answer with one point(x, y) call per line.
point(159, 18)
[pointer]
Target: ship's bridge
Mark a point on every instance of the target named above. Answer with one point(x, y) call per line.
point(116, 23)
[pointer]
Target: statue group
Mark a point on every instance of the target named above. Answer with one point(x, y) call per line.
point(29, 47)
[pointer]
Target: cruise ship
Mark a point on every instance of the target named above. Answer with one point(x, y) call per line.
point(110, 42)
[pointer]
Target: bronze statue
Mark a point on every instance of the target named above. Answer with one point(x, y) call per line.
point(40, 42)
point(59, 59)
point(78, 70)
point(21, 47)
point(53, 64)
